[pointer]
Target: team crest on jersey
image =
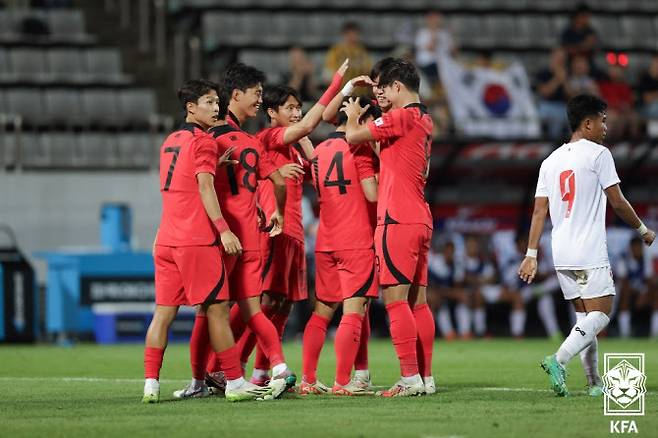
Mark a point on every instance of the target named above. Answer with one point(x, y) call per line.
point(379, 122)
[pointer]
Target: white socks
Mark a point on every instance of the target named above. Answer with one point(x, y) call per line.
point(589, 357)
point(413, 380)
point(463, 314)
point(517, 322)
point(445, 323)
point(624, 321)
point(235, 384)
point(582, 335)
point(363, 375)
point(480, 321)
point(259, 374)
point(279, 369)
point(546, 310)
point(151, 386)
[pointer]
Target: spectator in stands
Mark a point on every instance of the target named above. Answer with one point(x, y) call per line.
point(480, 273)
point(579, 38)
point(553, 92)
point(349, 47)
point(635, 271)
point(648, 88)
point(431, 40)
point(302, 74)
point(581, 81)
point(617, 92)
point(446, 284)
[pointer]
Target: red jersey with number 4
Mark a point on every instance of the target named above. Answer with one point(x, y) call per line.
point(281, 154)
point(236, 184)
point(338, 169)
point(184, 154)
point(405, 136)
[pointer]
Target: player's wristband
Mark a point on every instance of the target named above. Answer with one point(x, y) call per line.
point(642, 229)
point(220, 225)
point(347, 89)
point(531, 253)
point(332, 89)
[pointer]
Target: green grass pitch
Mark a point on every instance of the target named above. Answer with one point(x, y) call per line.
point(486, 389)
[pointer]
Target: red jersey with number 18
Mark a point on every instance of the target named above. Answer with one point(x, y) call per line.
point(338, 169)
point(184, 154)
point(236, 184)
point(405, 136)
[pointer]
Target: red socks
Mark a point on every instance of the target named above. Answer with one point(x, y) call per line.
point(403, 334)
point(229, 361)
point(425, 344)
point(268, 338)
point(279, 320)
point(314, 334)
point(200, 347)
point(361, 361)
point(152, 362)
point(348, 339)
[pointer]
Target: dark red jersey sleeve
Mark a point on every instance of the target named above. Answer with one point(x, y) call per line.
point(389, 126)
point(364, 159)
point(205, 155)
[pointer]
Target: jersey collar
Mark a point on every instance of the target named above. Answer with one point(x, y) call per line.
point(221, 130)
point(336, 135)
point(188, 126)
point(233, 118)
point(422, 108)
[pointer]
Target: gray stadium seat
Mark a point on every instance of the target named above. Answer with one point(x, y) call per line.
point(63, 107)
point(100, 107)
point(640, 31)
point(28, 65)
point(138, 107)
point(7, 31)
point(8, 143)
point(33, 153)
point(66, 25)
point(136, 150)
point(61, 148)
point(538, 28)
point(6, 75)
point(28, 103)
point(609, 31)
point(97, 149)
point(104, 65)
point(65, 65)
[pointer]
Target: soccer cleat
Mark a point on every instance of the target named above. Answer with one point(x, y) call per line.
point(192, 391)
point(595, 387)
point(260, 381)
point(364, 383)
point(557, 375)
point(249, 391)
point(151, 397)
point(317, 388)
point(216, 383)
point(401, 389)
point(351, 389)
point(430, 387)
point(289, 377)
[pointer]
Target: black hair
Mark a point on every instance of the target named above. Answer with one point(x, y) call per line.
point(275, 96)
point(239, 76)
point(192, 90)
point(351, 26)
point(373, 111)
point(379, 66)
point(402, 71)
point(583, 106)
point(224, 100)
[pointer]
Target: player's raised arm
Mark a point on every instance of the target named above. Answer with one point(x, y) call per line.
point(308, 123)
point(528, 268)
point(206, 183)
point(329, 113)
point(625, 211)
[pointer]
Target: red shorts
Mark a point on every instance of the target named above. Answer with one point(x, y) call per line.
point(401, 251)
point(344, 274)
point(284, 268)
point(189, 275)
point(244, 275)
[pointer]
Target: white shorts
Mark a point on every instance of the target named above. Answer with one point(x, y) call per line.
point(491, 293)
point(587, 283)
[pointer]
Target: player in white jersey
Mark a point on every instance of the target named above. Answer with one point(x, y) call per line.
point(574, 182)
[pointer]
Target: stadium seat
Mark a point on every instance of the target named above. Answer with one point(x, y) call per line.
point(100, 107)
point(63, 107)
point(8, 143)
point(65, 65)
point(97, 149)
point(61, 148)
point(640, 31)
point(609, 31)
point(67, 25)
point(104, 66)
point(27, 103)
point(32, 152)
point(136, 150)
point(6, 75)
point(28, 65)
point(138, 107)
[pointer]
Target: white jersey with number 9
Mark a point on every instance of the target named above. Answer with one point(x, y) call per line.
point(573, 179)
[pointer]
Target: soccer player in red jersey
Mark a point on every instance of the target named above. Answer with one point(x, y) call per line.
point(189, 269)
point(404, 222)
point(344, 178)
point(284, 270)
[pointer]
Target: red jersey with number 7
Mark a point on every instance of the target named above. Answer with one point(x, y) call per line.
point(338, 169)
point(236, 184)
point(183, 155)
point(405, 136)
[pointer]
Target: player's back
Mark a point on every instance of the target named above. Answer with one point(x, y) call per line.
point(236, 185)
point(573, 178)
point(338, 169)
point(404, 163)
point(184, 154)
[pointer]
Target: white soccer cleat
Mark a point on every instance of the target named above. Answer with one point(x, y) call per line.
point(401, 389)
point(249, 391)
point(151, 391)
point(351, 389)
point(364, 382)
point(430, 387)
point(192, 390)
